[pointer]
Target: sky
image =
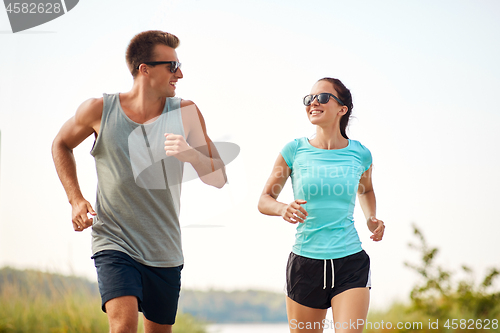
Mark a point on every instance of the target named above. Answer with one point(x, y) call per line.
point(424, 76)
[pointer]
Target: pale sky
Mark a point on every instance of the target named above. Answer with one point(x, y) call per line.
point(424, 76)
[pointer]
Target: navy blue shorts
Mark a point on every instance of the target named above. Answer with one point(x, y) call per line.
point(156, 288)
point(314, 282)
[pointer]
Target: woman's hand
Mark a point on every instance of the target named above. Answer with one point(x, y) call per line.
point(294, 212)
point(377, 227)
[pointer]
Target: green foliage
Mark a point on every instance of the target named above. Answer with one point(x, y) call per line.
point(234, 307)
point(440, 298)
point(32, 301)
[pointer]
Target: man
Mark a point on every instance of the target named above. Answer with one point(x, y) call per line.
point(142, 139)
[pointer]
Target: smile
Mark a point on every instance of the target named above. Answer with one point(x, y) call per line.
point(315, 112)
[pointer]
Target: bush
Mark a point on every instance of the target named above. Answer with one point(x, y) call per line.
point(450, 305)
point(32, 301)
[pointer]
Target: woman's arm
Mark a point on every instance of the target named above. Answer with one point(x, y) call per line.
point(368, 203)
point(268, 204)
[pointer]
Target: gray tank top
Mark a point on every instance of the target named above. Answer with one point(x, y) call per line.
point(138, 186)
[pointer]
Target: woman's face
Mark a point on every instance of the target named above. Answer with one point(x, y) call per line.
point(324, 114)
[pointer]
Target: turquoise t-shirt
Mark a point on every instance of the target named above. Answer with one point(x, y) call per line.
point(328, 180)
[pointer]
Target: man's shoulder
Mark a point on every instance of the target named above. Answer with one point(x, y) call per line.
point(90, 110)
point(186, 103)
point(189, 109)
point(93, 103)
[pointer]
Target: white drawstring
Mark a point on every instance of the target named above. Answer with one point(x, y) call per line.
point(324, 274)
point(333, 274)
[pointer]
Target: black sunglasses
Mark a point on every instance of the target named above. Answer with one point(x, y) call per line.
point(174, 65)
point(323, 98)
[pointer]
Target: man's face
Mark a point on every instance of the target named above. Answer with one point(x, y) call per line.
point(161, 78)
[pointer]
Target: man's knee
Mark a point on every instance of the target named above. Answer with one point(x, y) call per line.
point(151, 327)
point(122, 328)
point(122, 314)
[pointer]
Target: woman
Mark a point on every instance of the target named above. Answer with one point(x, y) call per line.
point(327, 266)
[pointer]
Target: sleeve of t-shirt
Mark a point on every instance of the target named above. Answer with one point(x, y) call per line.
point(367, 158)
point(288, 152)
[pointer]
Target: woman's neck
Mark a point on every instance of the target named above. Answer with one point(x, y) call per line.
point(329, 138)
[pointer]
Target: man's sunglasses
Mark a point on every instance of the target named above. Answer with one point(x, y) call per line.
point(174, 65)
point(323, 98)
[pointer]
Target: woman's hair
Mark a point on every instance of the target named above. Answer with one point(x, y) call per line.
point(346, 98)
point(141, 47)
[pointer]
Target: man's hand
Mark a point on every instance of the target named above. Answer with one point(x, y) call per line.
point(80, 219)
point(176, 146)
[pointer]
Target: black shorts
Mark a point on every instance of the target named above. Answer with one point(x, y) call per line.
point(156, 288)
point(309, 281)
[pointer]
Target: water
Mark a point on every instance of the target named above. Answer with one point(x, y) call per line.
point(265, 328)
point(248, 328)
point(252, 328)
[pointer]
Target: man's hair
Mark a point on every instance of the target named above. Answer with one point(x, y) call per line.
point(141, 47)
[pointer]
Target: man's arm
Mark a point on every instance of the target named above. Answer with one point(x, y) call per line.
point(85, 122)
point(197, 148)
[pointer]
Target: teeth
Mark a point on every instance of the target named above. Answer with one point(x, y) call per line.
point(173, 83)
point(316, 112)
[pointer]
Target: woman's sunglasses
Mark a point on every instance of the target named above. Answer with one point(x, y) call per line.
point(323, 98)
point(174, 65)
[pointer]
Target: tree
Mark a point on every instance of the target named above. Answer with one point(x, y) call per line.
point(457, 305)
point(439, 296)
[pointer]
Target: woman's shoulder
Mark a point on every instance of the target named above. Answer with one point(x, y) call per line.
point(290, 150)
point(363, 152)
point(355, 144)
point(296, 142)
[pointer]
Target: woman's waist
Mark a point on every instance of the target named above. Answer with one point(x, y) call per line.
point(312, 225)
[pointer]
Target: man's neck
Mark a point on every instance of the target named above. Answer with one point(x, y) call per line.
point(142, 105)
